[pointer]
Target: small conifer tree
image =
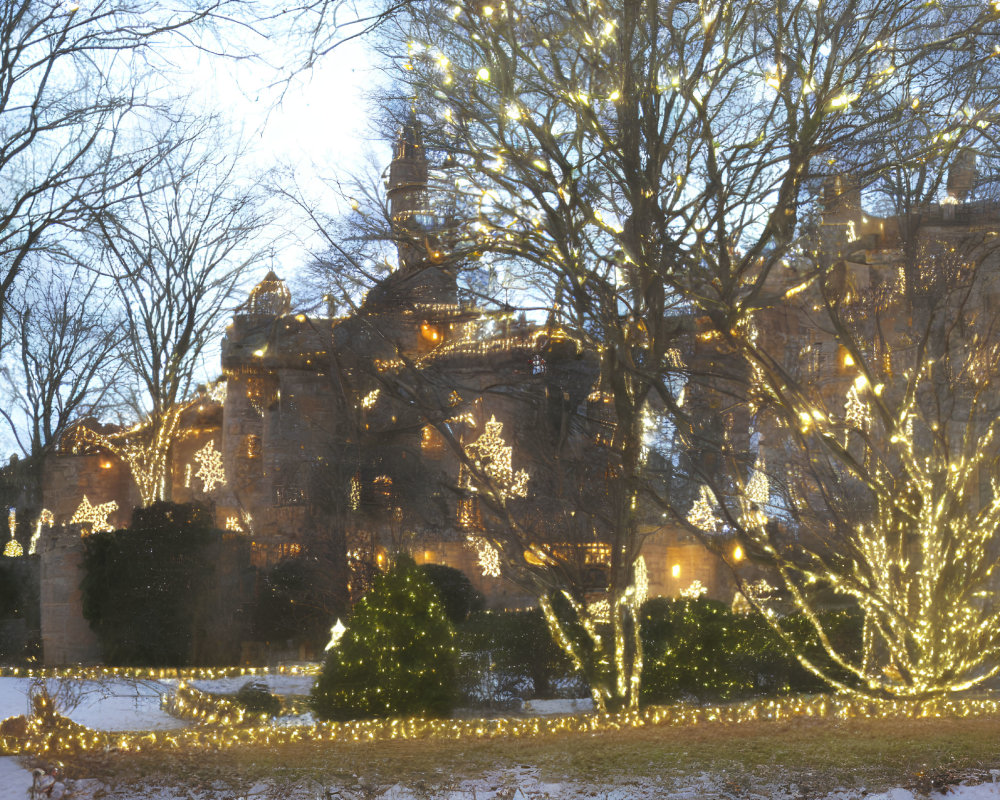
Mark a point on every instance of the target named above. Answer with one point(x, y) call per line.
point(397, 656)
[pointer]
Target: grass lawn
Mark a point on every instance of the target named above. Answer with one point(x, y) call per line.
point(817, 755)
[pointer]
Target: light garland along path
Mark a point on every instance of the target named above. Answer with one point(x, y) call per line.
point(49, 733)
point(155, 673)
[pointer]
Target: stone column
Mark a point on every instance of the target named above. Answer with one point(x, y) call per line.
point(66, 635)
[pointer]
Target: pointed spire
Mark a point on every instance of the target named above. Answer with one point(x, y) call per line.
point(409, 143)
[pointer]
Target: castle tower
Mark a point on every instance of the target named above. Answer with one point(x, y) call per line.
point(407, 191)
point(269, 298)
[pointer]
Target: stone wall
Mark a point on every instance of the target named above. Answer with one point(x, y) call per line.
point(66, 635)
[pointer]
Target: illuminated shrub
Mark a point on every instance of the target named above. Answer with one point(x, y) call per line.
point(702, 649)
point(397, 657)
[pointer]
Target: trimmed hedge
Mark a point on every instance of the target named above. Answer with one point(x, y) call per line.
point(458, 596)
point(168, 590)
point(511, 646)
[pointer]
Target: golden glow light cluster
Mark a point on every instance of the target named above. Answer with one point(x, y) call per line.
point(48, 733)
point(94, 518)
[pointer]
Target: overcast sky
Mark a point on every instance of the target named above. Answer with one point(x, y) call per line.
point(316, 123)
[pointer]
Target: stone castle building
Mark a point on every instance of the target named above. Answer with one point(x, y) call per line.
point(319, 430)
point(328, 431)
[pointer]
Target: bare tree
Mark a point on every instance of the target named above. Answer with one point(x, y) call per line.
point(875, 468)
point(176, 254)
point(60, 368)
point(648, 164)
point(70, 86)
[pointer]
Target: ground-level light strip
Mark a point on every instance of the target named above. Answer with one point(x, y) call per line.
point(47, 733)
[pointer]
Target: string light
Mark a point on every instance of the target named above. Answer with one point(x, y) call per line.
point(758, 490)
point(354, 499)
point(46, 519)
point(210, 470)
point(223, 724)
point(93, 518)
point(488, 557)
point(13, 548)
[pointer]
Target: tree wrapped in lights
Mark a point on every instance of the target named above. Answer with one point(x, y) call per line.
point(646, 168)
point(886, 475)
point(176, 255)
point(397, 657)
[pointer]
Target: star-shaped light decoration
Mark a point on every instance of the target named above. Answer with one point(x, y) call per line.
point(336, 634)
point(94, 516)
point(210, 468)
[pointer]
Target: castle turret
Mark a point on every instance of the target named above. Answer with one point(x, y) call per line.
point(269, 298)
point(407, 191)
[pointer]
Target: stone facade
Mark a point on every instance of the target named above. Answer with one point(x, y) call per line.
point(66, 635)
point(311, 434)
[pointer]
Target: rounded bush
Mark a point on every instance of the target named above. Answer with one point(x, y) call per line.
point(397, 656)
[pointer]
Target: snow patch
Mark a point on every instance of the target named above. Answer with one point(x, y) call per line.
point(111, 705)
point(545, 708)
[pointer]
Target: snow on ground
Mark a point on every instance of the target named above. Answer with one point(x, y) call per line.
point(545, 708)
point(112, 705)
point(14, 780)
point(515, 784)
point(13, 697)
point(277, 684)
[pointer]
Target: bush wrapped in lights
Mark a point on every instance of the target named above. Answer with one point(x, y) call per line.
point(700, 648)
point(397, 656)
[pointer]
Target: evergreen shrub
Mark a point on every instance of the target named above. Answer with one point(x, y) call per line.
point(295, 602)
point(701, 649)
point(397, 656)
point(255, 696)
point(165, 591)
point(459, 597)
point(511, 653)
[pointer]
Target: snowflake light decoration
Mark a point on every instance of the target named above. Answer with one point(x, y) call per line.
point(489, 558)
point(492, 455)
point(694, 590)
point(758, 490)
point(210, 468)
point(702, 514)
